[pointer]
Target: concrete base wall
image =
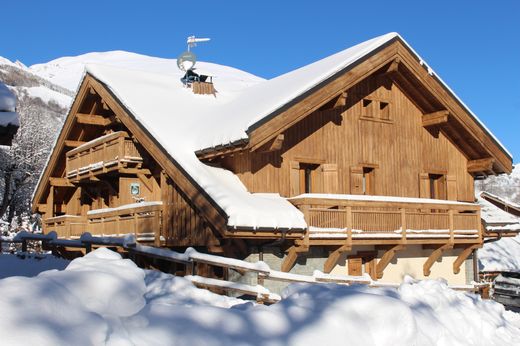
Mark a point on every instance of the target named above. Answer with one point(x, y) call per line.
point(407, 262)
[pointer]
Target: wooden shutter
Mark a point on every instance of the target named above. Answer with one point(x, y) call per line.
point(356, 180)
point(424, 185)
point(451, 183)
point(330, 178)
point(294, 178)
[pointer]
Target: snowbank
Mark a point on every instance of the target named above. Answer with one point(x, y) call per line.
point(502, 255)
point(104, 299)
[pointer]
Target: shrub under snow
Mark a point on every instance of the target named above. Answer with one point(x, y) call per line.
point(104, 299)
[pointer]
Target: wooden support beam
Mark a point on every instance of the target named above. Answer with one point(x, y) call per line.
point(386, 259)
point(96, 120)
point(481, 165)
point(394, 66)
point(341, 100)
point(144, 171)
point(42, 208)
point(463, 256)
point(334, 257)
point(145, 181)
point(434, 257)
point(60, 182)
point(273, 145)
point(435, 119)
point(73, 144)
point(292, 256)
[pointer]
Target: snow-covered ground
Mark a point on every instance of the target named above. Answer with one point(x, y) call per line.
point(502, 255)
point(104, 299)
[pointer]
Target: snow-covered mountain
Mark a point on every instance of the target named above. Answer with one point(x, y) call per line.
point(505, 186)
point(67, 71)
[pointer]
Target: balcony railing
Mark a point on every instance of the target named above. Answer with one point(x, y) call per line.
point(101, 155)
point(66, 226)
point(377, 217)
point(141, 219)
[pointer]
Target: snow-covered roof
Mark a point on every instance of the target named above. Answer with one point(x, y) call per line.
point(379, 198)
point(494, 215)
point(184, 123)
point(8, 115)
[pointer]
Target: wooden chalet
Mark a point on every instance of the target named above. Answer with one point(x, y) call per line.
point(361, 162)
point(9, 119)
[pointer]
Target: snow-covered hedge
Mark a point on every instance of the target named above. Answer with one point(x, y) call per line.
point(104, 299)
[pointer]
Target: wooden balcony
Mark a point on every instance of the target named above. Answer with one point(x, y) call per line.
point(111, 152)
point(66, 226)
point(141, 219)
point(377, 220)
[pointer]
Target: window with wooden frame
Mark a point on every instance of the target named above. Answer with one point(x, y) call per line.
point(363, 180)
point(437, 184)
point(308, 177)
point(375, 109)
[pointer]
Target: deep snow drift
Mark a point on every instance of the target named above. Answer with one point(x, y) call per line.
point(104, 299)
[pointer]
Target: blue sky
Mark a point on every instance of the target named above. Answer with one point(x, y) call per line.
point(473, 45)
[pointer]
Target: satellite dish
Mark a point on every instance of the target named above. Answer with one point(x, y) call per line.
point(186, 61)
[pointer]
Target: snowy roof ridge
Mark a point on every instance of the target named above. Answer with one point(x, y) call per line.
point(503, 200)
point(494, 215)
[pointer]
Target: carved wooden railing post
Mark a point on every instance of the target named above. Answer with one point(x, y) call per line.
point(403, 225)
point(451, 225)
point(479, 225)
point(349, 225)
point(306, 215)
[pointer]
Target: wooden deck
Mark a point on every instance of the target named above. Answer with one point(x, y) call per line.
point(66, 226)
point(111, 152)
point(144, 221)
point(350, 220)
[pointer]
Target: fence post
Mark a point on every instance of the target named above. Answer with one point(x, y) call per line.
point(306, 214)
point(451, 223)
point(403, 225)
point(479, 225)
point(349, 225)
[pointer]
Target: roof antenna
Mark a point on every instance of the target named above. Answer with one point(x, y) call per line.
point(186, 62)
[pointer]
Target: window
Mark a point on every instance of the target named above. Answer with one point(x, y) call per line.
point(373, 109)
point(368, 181)
point(437, 186)
point(362, 179)
point(308, 177)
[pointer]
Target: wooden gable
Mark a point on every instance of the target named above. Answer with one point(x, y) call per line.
point(94, 109)
point(395, 63)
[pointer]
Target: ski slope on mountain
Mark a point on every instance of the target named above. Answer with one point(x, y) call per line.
point(67, 71)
